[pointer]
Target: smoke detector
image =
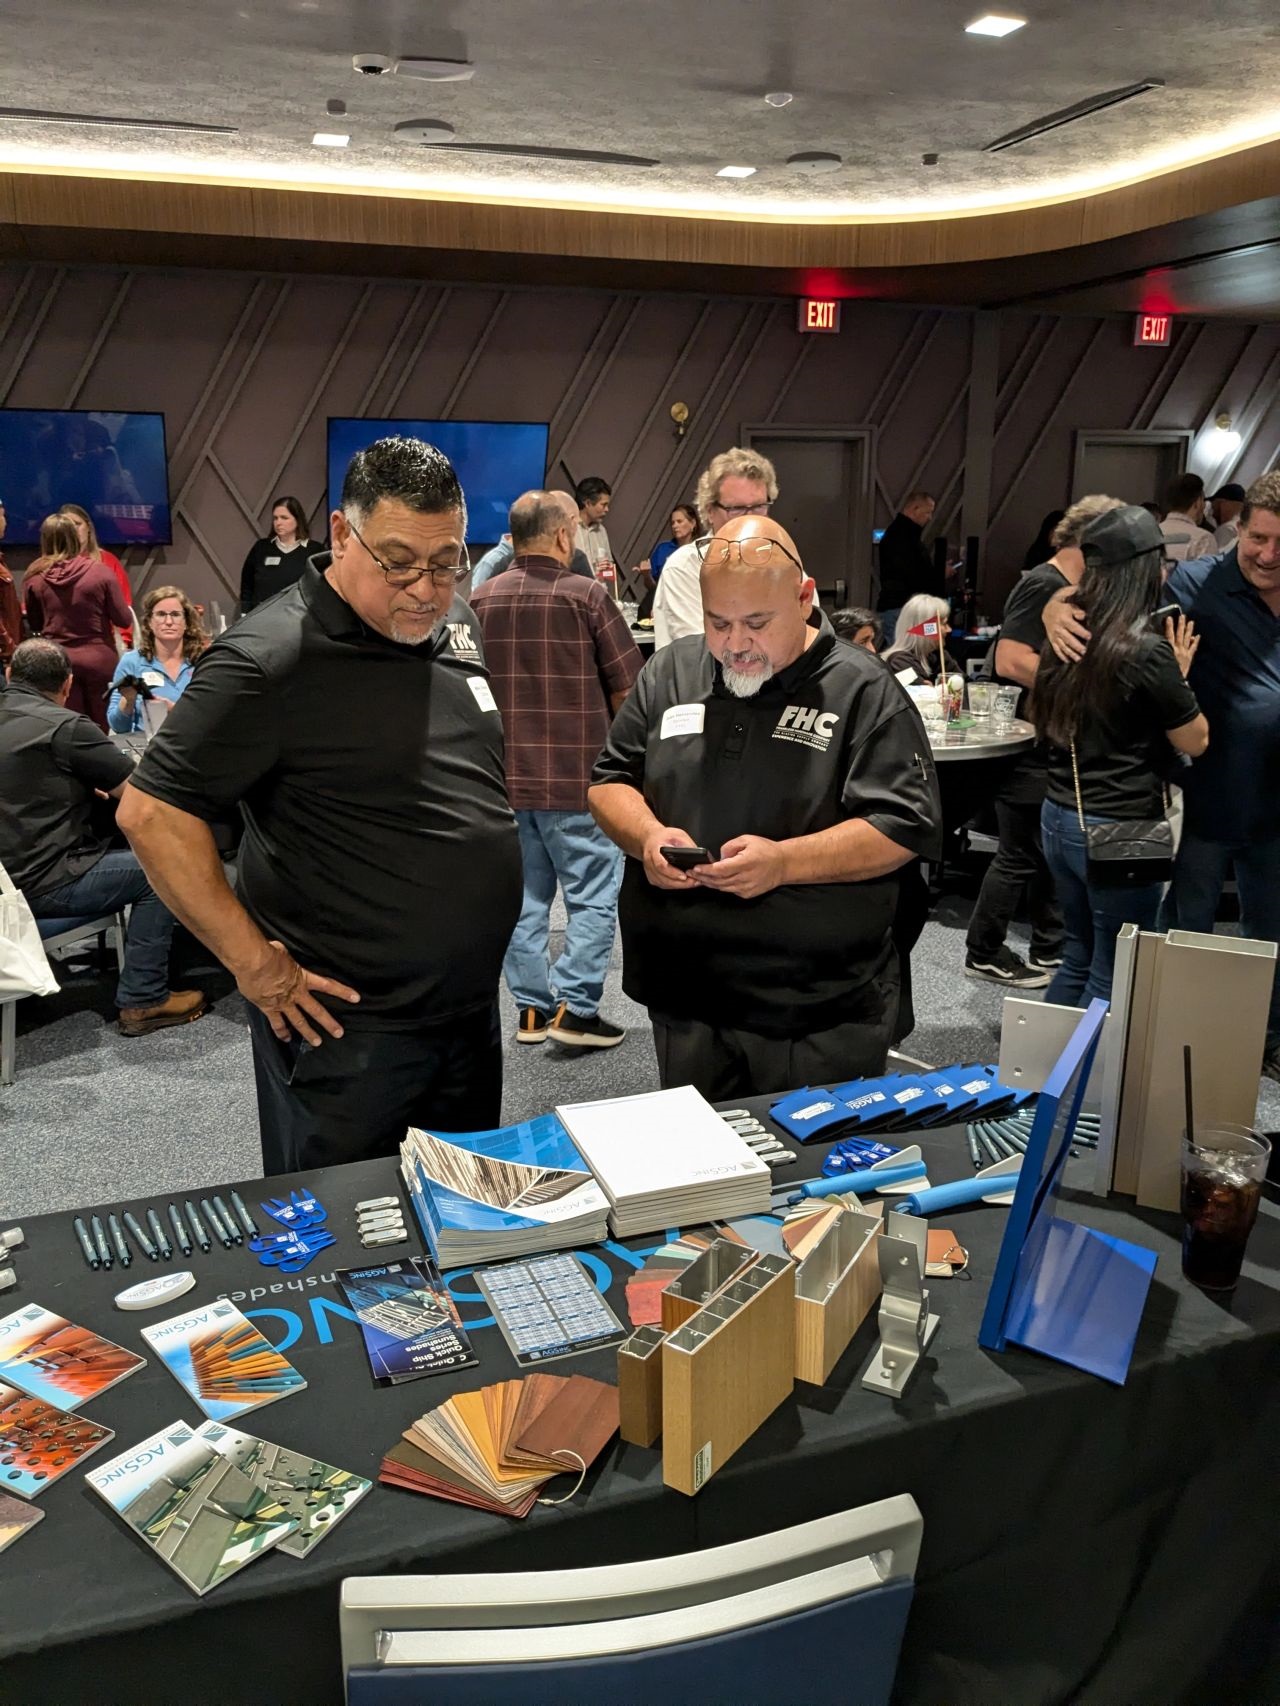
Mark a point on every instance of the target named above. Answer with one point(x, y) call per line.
point(372, 64)
point(813, 163)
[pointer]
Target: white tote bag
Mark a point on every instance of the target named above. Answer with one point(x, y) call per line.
point(24, 969)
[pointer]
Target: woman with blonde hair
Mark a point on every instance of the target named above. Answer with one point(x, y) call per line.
point(920, 652)
point(73, 599)
point(169, 642)
point(87, 534)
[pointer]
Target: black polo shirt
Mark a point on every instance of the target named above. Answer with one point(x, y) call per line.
point(831, 737)
point(51, 760)
point(379, 846)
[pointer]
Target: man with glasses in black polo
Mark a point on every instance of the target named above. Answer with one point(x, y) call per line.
point(351, 721)
point(798, 774)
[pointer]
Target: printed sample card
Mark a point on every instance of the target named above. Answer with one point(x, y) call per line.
point(222, 1360)
point(39, 1444)
point(315, 1494)
point(55, 1360)
point(547, 1308)
point(195, 1509)
point(16, 1519)
point(408, 1320)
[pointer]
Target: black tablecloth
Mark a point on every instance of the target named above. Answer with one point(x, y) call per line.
point(1082, 1542)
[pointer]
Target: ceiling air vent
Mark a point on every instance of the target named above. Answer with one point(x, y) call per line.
point(532, 151)
point(37, 115)
point(1068, 115)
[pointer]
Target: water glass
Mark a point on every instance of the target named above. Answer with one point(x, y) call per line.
point(1222, 1173)
point(982, 695)
point(1004, 708)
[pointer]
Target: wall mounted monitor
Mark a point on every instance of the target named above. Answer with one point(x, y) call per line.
point(495, 460)
point(110, 463)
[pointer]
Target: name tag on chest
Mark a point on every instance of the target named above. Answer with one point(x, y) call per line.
point(682, 720)
point(483, 693)
point(271, 561)
point(153, 678)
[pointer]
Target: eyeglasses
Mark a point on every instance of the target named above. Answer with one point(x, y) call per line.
point(402, 577)
point(754, 553)
point(735, 511)
point(168, 616)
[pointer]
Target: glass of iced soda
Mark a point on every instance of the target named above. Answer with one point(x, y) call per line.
point(1222, 1173)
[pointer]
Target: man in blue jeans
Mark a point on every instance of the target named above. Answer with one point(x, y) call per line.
point(1232, 794)
point(52, 764)
point(561, 660)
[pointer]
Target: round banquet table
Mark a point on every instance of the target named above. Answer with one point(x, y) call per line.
point(981, 742)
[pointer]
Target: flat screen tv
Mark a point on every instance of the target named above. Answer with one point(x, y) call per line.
point(495, 460)
point(112, 464)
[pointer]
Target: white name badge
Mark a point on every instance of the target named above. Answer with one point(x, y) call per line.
point(483, 693)
point(153, 678)
point(270, 561)
point(682, 720)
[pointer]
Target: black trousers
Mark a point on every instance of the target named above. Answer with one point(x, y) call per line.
point(723, 1062)
point(1019, 865)
point(352, 1098)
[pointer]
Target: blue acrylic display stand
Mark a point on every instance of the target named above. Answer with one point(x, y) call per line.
point(1062, 1289)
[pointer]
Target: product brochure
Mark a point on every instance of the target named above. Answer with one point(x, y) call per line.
point(222, 1360)
point(408, 1320)
point(38, 1443)
point(53, 1359)
point(314, 1493)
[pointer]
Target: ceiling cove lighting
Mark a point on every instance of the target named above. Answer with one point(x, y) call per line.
point(736, 172)
point(330, 139)
point(105, 121)
point(994, 24)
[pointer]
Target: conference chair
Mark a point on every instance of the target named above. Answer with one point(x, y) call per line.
point(728, 1624)
point(59, 937)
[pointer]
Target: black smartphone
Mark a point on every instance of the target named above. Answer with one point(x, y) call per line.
point(685, 858)
point(1164, 614)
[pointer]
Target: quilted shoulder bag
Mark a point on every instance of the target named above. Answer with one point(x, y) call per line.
point(1128, 854)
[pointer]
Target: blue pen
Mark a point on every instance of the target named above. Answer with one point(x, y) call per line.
point(869, 1179)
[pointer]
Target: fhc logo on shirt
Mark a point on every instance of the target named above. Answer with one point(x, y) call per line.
point(805, 725)
point(460, 639)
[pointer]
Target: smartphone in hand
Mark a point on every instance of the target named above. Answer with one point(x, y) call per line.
point(685, 858)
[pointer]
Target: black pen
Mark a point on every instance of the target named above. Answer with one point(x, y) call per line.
point(197, 1226)
point(90, 1254)
point(123, 1254)
point(100, 1240)
point(159, 1234)
point(143, 1242)
point(228, 1223)
point(215, 1220)
point(246, 1219)
point(179, 1231)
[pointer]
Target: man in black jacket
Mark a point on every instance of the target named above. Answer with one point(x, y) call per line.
point(802, 769)
point(906, 564)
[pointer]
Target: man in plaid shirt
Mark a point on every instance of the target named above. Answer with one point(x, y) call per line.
point(561, 660)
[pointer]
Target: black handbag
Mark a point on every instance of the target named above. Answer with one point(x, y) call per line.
point(1130, 854)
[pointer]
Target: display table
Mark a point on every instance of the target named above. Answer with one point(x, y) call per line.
point(1082, 1542)
point(982, 742)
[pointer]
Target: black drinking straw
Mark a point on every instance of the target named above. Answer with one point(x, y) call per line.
point(1186, 1079)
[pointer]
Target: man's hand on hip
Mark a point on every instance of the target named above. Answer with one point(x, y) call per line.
point(749, 865)
point(286, 992)
point(1064, 626)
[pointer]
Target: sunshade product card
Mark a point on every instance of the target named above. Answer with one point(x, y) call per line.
point(16, 1520)
point(38, 1444)
point(315, 1493)
point(547, 1308)
point(408, 1321)
point(53, 1359)
point(195, 1509)
point(222, 1360)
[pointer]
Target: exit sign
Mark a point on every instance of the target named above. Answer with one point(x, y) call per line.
point(817, 314)
point(1152, 329)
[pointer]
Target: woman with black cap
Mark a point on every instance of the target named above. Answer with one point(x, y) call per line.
point(1115, 723)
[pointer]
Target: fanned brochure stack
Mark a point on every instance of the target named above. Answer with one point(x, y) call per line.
point(483, 1196)
point(667, 1159)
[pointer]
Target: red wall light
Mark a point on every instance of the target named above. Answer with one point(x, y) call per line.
point(817, 314)
point(1152, 330)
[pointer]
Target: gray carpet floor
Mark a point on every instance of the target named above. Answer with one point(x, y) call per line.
point(97, 1117)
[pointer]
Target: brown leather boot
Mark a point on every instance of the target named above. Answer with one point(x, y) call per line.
point(181, 1006)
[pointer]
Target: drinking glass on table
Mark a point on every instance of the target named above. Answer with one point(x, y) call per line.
point(1004, 709)
point(1222, 1173)
point(982, 696)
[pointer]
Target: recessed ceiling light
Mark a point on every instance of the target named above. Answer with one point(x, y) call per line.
point(330, 139)
point(994, 24)
point(736, 172)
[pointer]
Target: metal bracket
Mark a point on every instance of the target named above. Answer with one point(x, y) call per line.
point(906, 1325)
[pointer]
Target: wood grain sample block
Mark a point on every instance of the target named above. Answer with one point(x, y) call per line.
point(720, 1262)
point(836, 1285)
point(726, 1370)
point(640, 1386)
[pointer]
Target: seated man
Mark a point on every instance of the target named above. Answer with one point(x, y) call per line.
point(800, 768)
point(52, 763)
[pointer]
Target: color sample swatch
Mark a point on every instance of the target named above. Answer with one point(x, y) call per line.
point(195, 1509)
point(548, 1307)
point(16, 1519)
point(222, 1360)
point(53, 1359)
point(314, 1494)
point(645, 1287)
point(39, 1444)
point(408, 1320)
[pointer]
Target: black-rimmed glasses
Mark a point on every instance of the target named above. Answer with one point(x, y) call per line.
point(753, 553)
point(402, 577)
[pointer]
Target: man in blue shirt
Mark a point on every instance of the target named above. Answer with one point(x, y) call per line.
point(1232, 794)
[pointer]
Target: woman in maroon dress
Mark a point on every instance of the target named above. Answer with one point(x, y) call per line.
point(74, 599)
